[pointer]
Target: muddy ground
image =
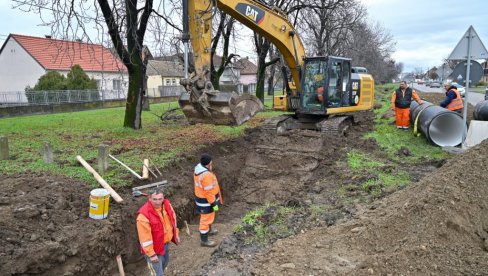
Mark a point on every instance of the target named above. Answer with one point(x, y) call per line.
point(434, 225)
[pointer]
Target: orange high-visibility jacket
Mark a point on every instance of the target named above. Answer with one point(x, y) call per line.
point(155, 227)
point(207, 190)
point(456, 103)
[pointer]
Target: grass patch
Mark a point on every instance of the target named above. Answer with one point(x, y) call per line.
point(392, 140)
point(359, 161)
point(265, 224)
point(374, 186)
point(80, 133)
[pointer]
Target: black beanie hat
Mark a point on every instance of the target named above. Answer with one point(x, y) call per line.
point(205, 159)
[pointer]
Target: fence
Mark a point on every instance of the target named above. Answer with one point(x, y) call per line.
point(58, 97)
point(168, 91)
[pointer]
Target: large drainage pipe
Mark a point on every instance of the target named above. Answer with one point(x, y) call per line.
point(441, 126)
point(480, 112)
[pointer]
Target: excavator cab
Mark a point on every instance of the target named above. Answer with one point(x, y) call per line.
point(325, 85)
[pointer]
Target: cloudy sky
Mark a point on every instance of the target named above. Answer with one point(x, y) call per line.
point(425, 31)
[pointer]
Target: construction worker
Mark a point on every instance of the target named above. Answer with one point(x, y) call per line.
point(156, 227)
point(453, 100)
point(400, 102)
point(208, 198)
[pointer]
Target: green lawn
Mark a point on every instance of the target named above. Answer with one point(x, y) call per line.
point(80, 133)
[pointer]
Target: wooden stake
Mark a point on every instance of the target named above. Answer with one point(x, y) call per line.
point(145, 171)
point(187, 229)
point(151, 171)
point(120, 265)
point(100, 179)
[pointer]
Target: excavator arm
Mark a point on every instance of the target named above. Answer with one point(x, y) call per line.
point(203, 103)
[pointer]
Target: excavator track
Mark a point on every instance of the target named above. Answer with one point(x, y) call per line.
point(337, 125)
point(272, 124)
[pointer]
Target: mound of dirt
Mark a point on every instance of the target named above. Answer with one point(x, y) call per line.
point(46, 230)
point(45, 227)
point(437, 226)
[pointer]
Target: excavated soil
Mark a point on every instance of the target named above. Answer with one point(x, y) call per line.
point(434, 226)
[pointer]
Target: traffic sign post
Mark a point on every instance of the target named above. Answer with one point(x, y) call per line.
point(470, 44)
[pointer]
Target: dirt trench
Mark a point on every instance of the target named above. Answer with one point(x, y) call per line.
point(47, 230)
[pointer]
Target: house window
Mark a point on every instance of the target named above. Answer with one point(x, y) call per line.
point(168, 82)
point(117, 85)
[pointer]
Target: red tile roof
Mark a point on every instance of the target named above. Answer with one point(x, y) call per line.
point(247, 67)
point(54, 54)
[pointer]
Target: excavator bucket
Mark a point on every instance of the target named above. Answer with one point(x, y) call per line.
point(220, 108)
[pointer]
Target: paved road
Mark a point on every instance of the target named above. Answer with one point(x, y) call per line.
point(473, 97)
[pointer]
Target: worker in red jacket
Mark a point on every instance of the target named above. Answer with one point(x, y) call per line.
point(400, 102)
point(156, 227)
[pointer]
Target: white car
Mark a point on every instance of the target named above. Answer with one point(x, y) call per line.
point(460, 88)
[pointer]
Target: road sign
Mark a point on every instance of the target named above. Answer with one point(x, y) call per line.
point(469, 47)
point(478, 50)
point(475, 74)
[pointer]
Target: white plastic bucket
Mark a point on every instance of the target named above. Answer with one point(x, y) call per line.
point(99, 203)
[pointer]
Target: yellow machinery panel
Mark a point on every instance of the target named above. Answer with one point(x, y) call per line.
point(280, 103)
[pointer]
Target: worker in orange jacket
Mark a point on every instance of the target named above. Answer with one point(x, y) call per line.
point(400, 102)
point(156, 227)
point(208, 198)
point(453, 100)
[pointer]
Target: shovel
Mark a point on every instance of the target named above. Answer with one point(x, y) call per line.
point(138, 193)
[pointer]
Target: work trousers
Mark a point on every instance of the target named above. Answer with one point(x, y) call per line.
point(157, 269)
point(402, 117)
point(206, 220)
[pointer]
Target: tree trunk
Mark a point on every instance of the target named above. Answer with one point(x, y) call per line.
point(261, 75)
point(133, 106)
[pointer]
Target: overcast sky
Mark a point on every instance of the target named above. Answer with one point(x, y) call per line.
point(425, 31)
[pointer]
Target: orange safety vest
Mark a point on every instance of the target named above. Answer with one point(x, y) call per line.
point(207, 190)
point(157, 229)
point(320, 94)
point(456, 103)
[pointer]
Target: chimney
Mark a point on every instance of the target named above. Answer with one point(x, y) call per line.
point(47, 36)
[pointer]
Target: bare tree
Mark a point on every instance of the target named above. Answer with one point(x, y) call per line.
point(371, 46)
point(125, 21)
point(328, 24)
point(225, 27)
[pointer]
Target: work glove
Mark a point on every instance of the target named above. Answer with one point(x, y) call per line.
point(215, 208)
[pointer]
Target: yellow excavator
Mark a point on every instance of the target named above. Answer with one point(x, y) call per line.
point(321, 92)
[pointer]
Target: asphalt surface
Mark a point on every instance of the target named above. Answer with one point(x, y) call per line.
point(473, 97)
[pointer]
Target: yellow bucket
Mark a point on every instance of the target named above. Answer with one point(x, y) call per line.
point(99, 201)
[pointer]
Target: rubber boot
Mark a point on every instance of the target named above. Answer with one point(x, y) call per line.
point(205, 242)
point(212, 231)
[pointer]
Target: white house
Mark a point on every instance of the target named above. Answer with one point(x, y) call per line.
point(248, 76)
point(24, 59)
point(163, 78)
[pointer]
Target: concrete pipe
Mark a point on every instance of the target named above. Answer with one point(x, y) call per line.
point(441, 126)
point(480, 112)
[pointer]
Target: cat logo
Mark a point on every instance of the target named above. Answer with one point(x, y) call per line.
point(252, 12)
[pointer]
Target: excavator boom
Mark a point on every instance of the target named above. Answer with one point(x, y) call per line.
point(203, 104)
